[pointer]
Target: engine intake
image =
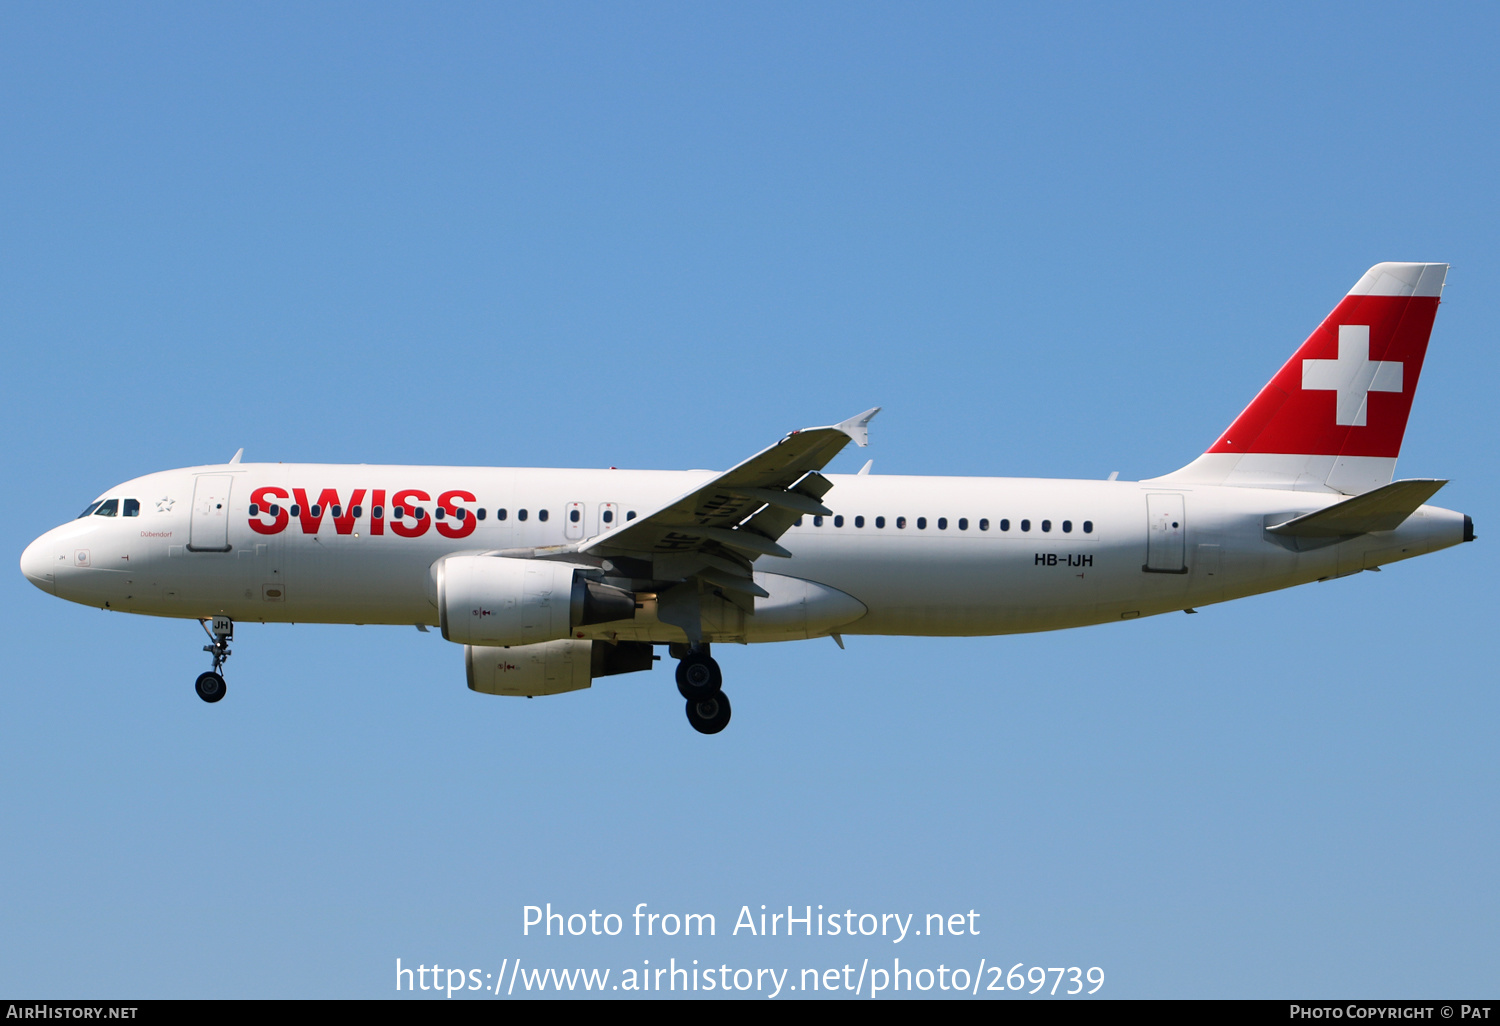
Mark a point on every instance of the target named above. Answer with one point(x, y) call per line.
point(497, 600)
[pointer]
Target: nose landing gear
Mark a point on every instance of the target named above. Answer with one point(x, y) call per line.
point(210, 686)
point(701, 683)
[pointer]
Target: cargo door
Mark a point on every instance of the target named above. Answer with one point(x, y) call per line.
point(1165, 531)
point(208, 530)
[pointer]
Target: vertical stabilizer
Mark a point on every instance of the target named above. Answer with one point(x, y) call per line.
point(1333, 417)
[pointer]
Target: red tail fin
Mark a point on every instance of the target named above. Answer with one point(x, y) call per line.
point(1333, 417)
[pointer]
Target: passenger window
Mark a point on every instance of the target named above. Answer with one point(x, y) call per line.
point(357, 511)
point(315, 510)
point(798, 522)
point(1005, 525)
point(108, 508)
point(574, 515)
point(439, 513)
point(1088, 527)
point(378, 512)
point(880, 521)
point(459, 513)
point(479, 513)
point(1046, 525)
point(336, 510)
point(838, 521)
point(921, 523)
point(942, 523)
point(297, 511)
point(859, 521)
point(541, 515)
point(419, 513)
point(501, 514)
point(963, 523)
point(984, 525)
point(817, 521)
point(1067, 527)
point(89, 509)
point(397, 512)
point(275, 510)
point(132, 508)
point(900, 521)
point(254, 510)
point(609, 516)
point(1026, 525)
point(520, 514)
point(630, 515)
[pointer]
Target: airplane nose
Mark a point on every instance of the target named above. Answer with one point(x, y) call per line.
point(36, 564)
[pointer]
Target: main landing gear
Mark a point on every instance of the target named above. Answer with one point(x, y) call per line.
point(700, 682)
point(210, 686)
point(709, 715)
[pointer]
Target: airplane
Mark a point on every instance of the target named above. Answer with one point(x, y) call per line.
point(551, 578)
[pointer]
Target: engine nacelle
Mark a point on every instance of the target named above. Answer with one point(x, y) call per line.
point(496, 600)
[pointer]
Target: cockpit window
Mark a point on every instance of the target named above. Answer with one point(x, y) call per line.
point(108, 508)
point(90, 508)
point(132, 508)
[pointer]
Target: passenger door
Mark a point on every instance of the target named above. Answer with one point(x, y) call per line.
point(208, 530)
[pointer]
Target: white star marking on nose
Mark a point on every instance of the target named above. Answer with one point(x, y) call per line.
point(164, 505)
point(1353, 375)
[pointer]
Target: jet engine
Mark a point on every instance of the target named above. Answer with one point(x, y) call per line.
point(497, 600)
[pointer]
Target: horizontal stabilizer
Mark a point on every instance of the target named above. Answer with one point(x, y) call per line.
point(1383, 509)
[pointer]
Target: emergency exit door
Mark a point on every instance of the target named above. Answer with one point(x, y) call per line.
point(573, 521)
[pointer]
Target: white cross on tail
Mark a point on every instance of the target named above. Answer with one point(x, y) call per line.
point(1353, 375)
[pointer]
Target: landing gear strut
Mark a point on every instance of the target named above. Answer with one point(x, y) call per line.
point(210, 686)
point(700, 682)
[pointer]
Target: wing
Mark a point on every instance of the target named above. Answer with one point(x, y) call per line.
point(718, 530)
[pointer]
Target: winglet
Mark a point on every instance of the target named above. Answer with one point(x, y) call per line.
point(858, 428)
point(238, 453)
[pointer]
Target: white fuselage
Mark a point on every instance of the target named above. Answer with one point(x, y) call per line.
point(996, 555)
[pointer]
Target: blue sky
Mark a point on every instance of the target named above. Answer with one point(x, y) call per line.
point(1049, 240)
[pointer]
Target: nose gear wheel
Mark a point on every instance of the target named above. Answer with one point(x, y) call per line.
point(210, 686)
